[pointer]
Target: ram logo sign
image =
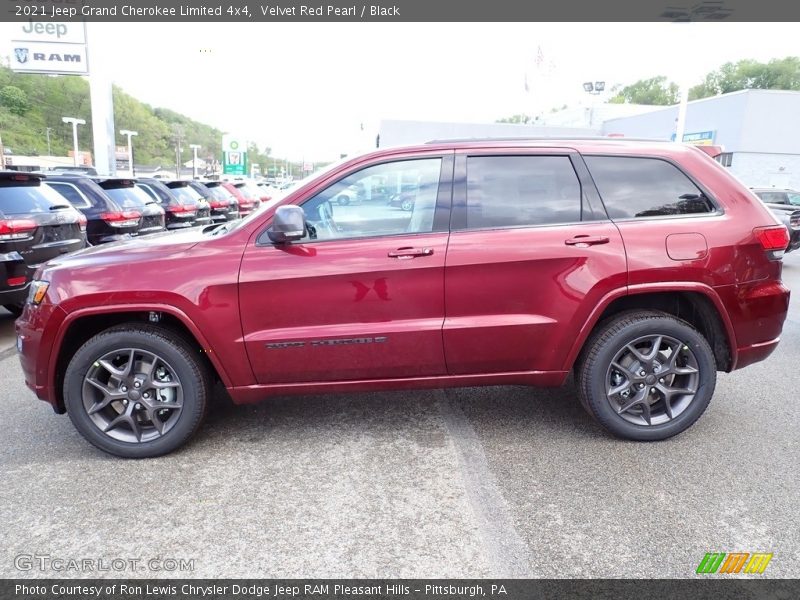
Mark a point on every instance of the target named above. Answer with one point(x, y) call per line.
point(56, 48)
point(734, 562)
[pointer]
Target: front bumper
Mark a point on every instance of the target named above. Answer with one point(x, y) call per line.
point(36, 330)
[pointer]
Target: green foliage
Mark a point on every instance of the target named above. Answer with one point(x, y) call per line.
point(777, 74)
point(518, 119)
point(654, 91)
point(14, 99)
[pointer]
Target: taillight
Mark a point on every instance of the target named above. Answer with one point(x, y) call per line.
point(218, 204)
point(13, 281)
point(794, 220)
point(126, 218)
point(773, 239)
point(82, 221)
point(182, 209)
point(16, 229)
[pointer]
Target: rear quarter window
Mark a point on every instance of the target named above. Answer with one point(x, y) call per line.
point(633, 187)
point(71, 193)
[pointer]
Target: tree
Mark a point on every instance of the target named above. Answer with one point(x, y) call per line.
point(655, 91)
point(15, 100)
point(519, 119)
point(777, 74)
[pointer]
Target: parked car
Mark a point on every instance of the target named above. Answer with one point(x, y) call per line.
point(190, 197)
point(79, 169)
point(107, 221)
point(247, 203)
point(129, 196)
point(36, 224)
point(785, 205)
point(644, 268)
point(179, 212)
point(224, 205)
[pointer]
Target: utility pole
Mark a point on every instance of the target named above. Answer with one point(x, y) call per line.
point(47, 132)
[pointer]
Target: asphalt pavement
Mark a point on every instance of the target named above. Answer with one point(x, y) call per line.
point(472, 482)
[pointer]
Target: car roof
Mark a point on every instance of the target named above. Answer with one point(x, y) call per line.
point(9, 177)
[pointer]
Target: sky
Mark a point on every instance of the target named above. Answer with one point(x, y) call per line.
point(315, 90)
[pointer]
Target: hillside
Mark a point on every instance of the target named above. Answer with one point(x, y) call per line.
point(29, 104)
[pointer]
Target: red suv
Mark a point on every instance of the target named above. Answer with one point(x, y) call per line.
point(645, 268)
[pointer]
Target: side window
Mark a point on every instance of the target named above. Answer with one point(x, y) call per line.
point(518, 191)
point(645, 187)
point(387, 199)
point(71, 193)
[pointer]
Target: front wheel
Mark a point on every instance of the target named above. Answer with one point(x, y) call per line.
point(646, 375)
point(136, 391)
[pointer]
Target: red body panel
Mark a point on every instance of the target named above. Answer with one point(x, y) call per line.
point(486, 306)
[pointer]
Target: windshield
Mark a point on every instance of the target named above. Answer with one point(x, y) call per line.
point(278, 197)
point(27, 199)
point(129, 197)
point(794, 198)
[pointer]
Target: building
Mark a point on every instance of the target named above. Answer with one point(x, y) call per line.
point(759, 131)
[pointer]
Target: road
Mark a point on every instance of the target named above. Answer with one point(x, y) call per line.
point(477, 482)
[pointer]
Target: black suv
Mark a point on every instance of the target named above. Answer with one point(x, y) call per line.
point(107, 220)
point(224, 205)
point(36, 224)
point(785, 205)
point(125, 193)
point(180, 213)
point(189, 196)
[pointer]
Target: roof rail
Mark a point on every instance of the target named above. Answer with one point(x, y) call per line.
point(548, 138)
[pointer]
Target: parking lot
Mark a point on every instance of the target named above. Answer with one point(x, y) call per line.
point(474, 482)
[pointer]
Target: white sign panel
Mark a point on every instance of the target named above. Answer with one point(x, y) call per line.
point(47, 57)
point(232, 143)
point(62, 33)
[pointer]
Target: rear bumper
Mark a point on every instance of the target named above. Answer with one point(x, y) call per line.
point(757, 311)
point(16, 295)
point(13, 265)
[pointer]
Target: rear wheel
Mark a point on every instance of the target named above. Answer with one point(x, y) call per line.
point(136, 391)
point(646, 375)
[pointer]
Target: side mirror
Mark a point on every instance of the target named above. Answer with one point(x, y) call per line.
point(288, 224)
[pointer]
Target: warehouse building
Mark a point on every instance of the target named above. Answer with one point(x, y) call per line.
point(759, 131)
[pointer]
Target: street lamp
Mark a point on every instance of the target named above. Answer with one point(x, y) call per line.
point(129, 133)
point(75, 123)
point(195, 148)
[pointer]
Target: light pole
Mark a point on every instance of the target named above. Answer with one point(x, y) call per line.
point(195, 148)
point(75, 123)
point(595, 89)
point(129, 134)
point(47, 133)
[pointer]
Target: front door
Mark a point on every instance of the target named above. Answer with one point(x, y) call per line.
point(361, 296)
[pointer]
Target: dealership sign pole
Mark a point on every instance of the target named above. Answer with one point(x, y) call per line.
point(59, 48)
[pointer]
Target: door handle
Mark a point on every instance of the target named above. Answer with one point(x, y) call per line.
point(405, 253)
point(586, 240)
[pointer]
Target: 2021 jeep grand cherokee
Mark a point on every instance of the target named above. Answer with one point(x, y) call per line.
point(644, 267)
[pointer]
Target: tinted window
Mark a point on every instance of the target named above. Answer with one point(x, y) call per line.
point(386, 199)
point(645, 187)
point(71, 193)
point(19, 200)
point(185, 194)
point(773, 197)
point(515, 191)
point(220, 193)
point(129, 197)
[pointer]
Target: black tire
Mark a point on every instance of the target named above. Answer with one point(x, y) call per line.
point(407, 205)
point(14, 309)
point(613, 339)
point(343, 200)
point(174, 352)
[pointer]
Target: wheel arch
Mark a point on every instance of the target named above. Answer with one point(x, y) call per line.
point(78, 327)
point(698, 305)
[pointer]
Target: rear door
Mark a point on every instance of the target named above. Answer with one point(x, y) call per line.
point(531, 253)
point(362, 295)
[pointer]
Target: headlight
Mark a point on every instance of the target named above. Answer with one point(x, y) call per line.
point(37, 291)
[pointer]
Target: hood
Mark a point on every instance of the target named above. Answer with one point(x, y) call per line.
point(136, 249)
